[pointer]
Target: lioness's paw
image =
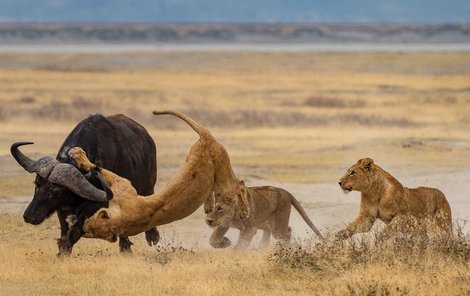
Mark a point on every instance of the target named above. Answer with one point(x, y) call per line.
point(244, 215)
point(222, 243)
point(77, 154)
point(343, 234)
point(80, 158)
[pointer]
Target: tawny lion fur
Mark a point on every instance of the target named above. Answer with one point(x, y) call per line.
point(384, 197)
point(207, 169)
point(270, 211)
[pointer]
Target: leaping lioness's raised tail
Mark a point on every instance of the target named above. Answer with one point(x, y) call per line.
point(207, 170)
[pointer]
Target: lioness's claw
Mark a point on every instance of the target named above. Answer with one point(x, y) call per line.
point(343, 234)
point(244, 216)
point(74, 152)
point(80, 158)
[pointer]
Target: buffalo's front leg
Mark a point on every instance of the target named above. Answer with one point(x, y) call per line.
point(75, 225)
point(64, 229)
point(73, 236)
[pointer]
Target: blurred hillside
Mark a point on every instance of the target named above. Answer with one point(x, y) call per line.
point(14, 33)
point(241, 11)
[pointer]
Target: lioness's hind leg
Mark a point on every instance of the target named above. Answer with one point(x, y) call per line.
point(245, 238)
point(400, 224)
point(282, 233)
point(443, 221)
point(265, 239)
point(281, 229)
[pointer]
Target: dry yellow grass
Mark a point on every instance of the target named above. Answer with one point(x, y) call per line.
point(30, 267)
point(284, 117)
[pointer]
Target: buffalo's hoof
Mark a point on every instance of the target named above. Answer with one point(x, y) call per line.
point(64, 248)
point(222, 243)
point(152, 236)
point(125, 245)
point(64, 252)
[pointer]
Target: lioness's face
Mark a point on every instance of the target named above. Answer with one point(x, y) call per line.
point(223, 212)
point(358, 177)
point(98, 226)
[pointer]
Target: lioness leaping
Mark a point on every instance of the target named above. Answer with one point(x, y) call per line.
point(384, 198)
point(270, 211)
point(207, 169)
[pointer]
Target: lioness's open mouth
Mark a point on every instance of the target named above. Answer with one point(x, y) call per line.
point(211, 223)
point(347, 190)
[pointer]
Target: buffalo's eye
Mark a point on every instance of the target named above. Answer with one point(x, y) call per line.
point(55, 190)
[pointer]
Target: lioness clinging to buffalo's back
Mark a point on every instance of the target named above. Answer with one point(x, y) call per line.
point(207, 169)
point(384, 198)
point(270, 211)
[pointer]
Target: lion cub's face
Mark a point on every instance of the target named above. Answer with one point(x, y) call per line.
point(223, 211)
point(358, 177)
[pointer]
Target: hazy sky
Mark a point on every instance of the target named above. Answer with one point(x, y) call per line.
point(235, 11)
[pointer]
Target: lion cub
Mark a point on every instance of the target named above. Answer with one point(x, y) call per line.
point(386, 199)
point(270, 211)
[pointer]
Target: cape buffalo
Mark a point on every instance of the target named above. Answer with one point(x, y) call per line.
point(117, 143)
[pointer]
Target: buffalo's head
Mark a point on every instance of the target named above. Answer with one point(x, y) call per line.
point(55, 185)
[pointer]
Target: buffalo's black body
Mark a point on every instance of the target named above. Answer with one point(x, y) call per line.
point(116, 143)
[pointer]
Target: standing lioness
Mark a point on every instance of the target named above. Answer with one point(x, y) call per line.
point(269, 211)
point(384, 198)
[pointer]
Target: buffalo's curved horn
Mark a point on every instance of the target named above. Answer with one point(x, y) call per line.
point(43, 166)
point(71, 178)
point(109, 192)
point(24, 161)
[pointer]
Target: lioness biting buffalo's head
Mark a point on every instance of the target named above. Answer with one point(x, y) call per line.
point(383, 197)
point(359, 176)
point(207, 169)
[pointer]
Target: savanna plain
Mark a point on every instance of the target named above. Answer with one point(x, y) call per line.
point(293, 120)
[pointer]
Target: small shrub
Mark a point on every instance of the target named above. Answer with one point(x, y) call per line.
point(27, 100)
point(327, 102)
point(413, 250)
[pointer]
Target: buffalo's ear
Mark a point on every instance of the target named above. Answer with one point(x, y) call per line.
point(366, 163)
point(103, 214)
